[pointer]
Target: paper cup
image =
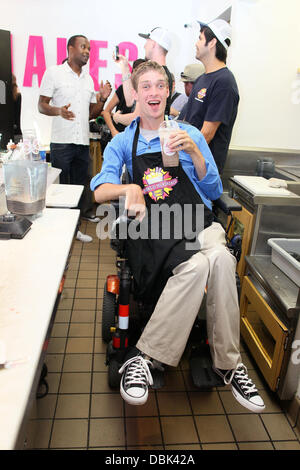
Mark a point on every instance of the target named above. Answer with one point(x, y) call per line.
point(165, 129)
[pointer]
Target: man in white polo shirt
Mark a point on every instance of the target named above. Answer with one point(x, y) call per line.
point(73, 102)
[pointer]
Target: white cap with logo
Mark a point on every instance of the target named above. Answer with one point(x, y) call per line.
point(221, 29)
point(159, 35)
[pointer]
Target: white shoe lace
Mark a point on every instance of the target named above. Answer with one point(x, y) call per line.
point(241, 375)
point(138, 372)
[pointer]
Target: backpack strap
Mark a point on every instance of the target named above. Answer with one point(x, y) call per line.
point(168, 105)
point(173, 98)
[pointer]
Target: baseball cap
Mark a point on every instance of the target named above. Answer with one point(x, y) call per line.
point(159, 35)
point(192, 72)
point(220, 28)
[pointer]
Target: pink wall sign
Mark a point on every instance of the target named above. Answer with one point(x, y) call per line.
point(61, 50)
point(95, 61)
point(35, 60)
point(132, 56)
point(36, 63)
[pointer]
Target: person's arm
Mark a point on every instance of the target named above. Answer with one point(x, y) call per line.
point(108, 120)
point(126, 119)
point(134, 198)
point(210, 186)
point(107, 114)
point(209, 129)
point(126, 80)
point(109, 191)
point(104, 92)
point(174, 112)
point(181, 141)
point(45, 108)
point(106, 184)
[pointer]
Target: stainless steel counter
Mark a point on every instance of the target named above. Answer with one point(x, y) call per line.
point(291, 172)
point(243, 161)
point(275, 216)
point(283, 297)
point(285, 293)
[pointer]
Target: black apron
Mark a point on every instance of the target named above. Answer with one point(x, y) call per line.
point(153, 259)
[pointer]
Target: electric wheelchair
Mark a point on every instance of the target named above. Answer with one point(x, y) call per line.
point(123, 316)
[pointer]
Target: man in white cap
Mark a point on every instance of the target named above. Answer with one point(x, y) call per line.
point(157, 45)
point(213, 102)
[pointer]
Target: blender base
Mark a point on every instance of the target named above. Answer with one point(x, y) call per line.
point(13, 226)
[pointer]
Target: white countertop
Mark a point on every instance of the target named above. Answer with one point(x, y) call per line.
point(63, 195)
point(53, 175)
point(30, 275)
point(259, 185)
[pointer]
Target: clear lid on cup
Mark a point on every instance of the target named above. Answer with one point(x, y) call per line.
point(169, 124)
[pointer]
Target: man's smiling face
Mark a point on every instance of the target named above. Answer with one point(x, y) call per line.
point(152, 94)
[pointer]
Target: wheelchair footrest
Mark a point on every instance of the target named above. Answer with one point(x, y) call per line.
point(201, 369)
point(158, 378)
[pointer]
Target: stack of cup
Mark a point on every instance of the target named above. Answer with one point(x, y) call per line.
point(30, 144)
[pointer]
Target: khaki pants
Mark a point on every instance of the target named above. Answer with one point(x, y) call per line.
point(166, 334)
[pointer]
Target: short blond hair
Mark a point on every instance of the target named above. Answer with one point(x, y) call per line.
point(144, 68)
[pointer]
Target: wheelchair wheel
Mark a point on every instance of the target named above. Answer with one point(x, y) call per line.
point(108, 314)
point(113, 374)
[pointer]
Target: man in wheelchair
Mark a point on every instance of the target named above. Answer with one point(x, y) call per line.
point(169, 269)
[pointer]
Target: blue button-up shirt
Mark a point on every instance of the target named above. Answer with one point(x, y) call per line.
point(119, 152)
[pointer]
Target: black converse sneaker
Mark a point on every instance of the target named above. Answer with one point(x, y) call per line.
point(135, 380)
point(242, 387)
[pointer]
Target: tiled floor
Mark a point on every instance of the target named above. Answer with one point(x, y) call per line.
point(81, 412)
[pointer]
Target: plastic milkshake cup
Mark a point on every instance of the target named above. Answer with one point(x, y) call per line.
point(166, 128)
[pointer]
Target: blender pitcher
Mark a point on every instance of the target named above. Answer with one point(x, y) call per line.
point(25, 186)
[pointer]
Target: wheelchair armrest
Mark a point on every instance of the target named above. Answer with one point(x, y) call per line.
point(116, 206)
point(119, 205)
point(119, 230)
point(227, 204)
